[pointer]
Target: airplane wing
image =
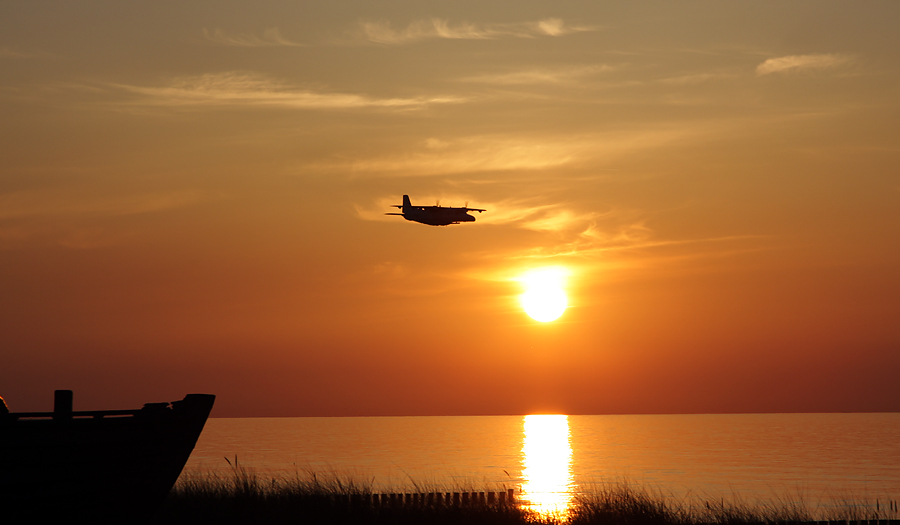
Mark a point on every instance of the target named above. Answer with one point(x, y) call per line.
point(400, 214)
point(475, 209)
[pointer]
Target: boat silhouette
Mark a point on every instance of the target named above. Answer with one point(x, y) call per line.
point(110, 465)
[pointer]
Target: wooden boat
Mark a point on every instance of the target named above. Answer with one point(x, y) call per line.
point(111, 465)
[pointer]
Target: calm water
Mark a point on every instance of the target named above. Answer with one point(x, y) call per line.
point(821, 458)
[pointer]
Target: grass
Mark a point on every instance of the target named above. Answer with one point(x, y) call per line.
point(243, 497)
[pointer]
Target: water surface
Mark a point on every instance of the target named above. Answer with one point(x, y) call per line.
point(818, 458)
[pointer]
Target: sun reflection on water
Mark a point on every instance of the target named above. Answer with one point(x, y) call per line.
point(547, 465)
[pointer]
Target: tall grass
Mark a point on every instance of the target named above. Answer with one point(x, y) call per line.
point(244, 497)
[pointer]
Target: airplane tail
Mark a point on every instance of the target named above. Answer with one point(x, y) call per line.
point(406, 203)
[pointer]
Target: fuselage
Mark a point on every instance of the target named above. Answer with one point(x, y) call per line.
point(436, 215)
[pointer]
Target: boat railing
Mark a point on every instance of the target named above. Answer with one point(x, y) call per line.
point(62, 410)
point(95, 414)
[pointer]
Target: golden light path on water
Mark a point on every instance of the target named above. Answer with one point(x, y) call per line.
point(547, 464)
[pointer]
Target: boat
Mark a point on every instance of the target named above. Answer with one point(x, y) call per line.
point(110, 465)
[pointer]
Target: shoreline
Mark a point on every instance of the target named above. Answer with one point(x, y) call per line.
point(245, 497)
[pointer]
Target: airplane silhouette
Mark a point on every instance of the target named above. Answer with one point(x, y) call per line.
point(434, 215)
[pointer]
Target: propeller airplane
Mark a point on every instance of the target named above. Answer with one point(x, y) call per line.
point(434, 215)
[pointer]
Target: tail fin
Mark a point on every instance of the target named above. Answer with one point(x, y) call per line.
point(406, 203)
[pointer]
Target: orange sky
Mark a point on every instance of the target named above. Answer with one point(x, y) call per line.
point(192, 200)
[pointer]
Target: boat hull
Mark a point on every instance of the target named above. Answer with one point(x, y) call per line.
point(99, 464)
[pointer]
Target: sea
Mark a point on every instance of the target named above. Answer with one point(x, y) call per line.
point(821, 461)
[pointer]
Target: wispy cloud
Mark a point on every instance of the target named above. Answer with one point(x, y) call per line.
point(539, 215)
point(559, 75)
point(383, 33)
point(469, 154)
point(686, 80)
point(575, 235)
point(246, 89)
point(490, 153)
point(801, 62)
point(269, 38)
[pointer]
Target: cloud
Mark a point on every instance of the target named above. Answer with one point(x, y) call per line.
point(270, 38)
point(560, 75)
point(801, 62)
point(498, 153)
point(469, 154)
point(245, 89)
point(700, 78)
point(381, 32)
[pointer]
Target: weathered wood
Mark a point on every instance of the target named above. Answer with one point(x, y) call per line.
point(438, 499)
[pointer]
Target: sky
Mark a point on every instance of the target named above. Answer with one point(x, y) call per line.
point(192, 199)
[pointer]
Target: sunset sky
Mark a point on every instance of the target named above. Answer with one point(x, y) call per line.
point(192, 199)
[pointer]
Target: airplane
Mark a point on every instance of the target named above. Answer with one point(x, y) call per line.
point(434, 215)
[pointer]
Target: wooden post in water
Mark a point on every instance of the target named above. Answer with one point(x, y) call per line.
point(492, 498)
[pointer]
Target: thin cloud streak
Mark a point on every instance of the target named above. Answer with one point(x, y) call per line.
point(271, 37)
point(471, 154)
point(244, 89)
point(623, 244)
point(541, 76)
point(592, 240)
point(801, 62)
point(381, 32)
point(486, 153)
point(687, 80)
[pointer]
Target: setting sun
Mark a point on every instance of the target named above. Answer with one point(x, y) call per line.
point(544, 299)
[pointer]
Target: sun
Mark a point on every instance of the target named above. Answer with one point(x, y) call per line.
point(544, 299)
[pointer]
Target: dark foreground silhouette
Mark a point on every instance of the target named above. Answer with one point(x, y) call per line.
point(106, 466)
point(245, 498)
